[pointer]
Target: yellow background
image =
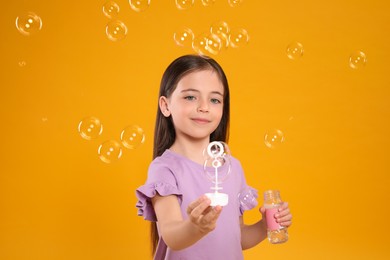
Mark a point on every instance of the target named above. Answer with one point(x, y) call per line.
point(59, 201)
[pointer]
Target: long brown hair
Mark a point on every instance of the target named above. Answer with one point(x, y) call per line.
point(164, 132)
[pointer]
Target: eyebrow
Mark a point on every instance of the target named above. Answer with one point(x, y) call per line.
point(195, 90)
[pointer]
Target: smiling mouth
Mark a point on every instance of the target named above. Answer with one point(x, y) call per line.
point(201, 120)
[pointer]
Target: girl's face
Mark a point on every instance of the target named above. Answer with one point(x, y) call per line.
point(196, 105)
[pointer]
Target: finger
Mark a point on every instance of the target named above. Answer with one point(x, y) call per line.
point(206, 211)
point(195, 203)
point(286, 223)
point(282, 213)
point(283, 206)
point(212, 215)
point(287, 218)
point(199, 210)
point(262, 210)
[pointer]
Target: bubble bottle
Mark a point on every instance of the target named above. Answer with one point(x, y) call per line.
point(276, 233)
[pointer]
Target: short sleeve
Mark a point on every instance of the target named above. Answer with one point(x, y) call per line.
point(161, 180)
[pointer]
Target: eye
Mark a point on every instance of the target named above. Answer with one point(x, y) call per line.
point(189, 98)
point(215, 101)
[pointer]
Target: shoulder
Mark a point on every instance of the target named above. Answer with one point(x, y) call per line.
point(235, 162)
point(166, 160)
point(163, 166)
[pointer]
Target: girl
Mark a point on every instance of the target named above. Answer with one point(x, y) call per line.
point(193, 110)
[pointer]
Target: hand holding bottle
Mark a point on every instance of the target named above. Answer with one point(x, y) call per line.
point(277, 215)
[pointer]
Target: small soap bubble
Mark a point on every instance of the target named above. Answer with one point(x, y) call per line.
point(90, 128)
point(213, 43)
point(238, 38)
point(139, 5)
point(220, 26)
point(184, 4)
point(116, 30)
point(184, 37)
point(247, 198)
point(110, 151)
point(199, 44)
point(273, 138)
point(22, 63)
point(294, 50)
point(235, 3)
point(208, 2)
point(132, 136)
point(357, 60)
point(29, 23)
point(110, 9)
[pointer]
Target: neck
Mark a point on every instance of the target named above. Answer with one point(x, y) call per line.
point(192, 149)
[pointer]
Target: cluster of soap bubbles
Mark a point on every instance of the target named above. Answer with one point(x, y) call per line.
point(187, 4)
point(110, 151)
point(116, 30)
point(219, 37)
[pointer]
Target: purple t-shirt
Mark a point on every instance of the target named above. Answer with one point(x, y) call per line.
point(172, 173)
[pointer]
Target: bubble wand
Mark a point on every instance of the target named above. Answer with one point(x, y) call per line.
point(217, 153)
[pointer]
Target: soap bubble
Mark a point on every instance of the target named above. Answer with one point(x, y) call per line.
point(29, 23)
point(357, 60)
point(235, 3)
point(217, 164)
point(294, 50)
point(220, 26)
point(273, 138)
point(208, 2)
point(238, 37)
point(110, 151)
point(247, 198)
point(22, 63)
point(116, 30)
point(221, 29)
point(199, 44)
point(213, 44)
point(139, 5)
point(110, 9)
point(132, 136)
point(184, 4)
point(90, 128)
point(206, 44)
point(184, 37)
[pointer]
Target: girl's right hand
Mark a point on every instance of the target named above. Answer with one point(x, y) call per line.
point(202, 215)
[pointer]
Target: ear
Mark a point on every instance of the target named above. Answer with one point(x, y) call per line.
point(164, 106)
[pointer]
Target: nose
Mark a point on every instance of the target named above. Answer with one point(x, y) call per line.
point(203, 106)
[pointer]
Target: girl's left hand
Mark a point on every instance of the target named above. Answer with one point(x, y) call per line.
point(283, 216)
